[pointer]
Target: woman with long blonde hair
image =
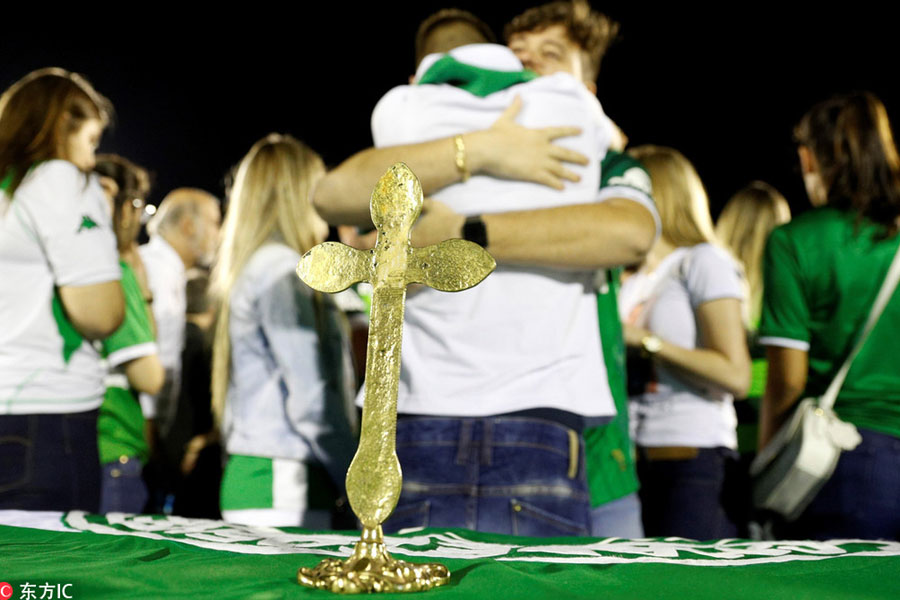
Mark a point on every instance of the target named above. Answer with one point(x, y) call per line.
point(744, 226)
point(282, 380)
point(682, 310)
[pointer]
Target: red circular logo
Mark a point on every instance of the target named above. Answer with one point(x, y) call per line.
point(6, 591)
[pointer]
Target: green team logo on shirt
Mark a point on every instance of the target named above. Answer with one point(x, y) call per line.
point(87, 223)
point(618, 169)
point(635, 177)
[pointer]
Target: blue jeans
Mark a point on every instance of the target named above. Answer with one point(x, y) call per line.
point(513, 475)
point(618, 518)
point(686, 498)
point(49, 462)
point(862, 498)
point(123, 488)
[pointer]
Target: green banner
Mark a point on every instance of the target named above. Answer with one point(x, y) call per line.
point(127, 556)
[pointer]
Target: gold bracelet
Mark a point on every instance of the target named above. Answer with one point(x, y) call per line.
point(650, 345)
point(461, 165)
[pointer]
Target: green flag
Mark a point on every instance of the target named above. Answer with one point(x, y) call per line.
point(128, 556)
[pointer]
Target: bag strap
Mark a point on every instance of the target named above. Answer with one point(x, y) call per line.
point(884, 295)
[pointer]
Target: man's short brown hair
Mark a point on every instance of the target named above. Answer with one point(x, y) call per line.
point(444, 17)
point(590, 30)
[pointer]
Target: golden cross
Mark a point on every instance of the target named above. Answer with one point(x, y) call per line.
point(374, 479)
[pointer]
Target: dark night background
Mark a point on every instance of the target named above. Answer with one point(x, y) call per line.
point(724, 84)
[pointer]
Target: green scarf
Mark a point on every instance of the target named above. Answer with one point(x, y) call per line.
point(475, 80)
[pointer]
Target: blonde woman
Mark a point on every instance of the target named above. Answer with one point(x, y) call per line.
point(683, 311)
point(282, 380)
point(743, 227)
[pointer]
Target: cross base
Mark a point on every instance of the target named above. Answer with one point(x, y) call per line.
point(371, 569)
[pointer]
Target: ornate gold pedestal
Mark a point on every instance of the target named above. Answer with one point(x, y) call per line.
point(372, 569)
point(374, 479)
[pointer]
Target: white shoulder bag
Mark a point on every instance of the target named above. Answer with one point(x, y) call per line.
point(789, 472)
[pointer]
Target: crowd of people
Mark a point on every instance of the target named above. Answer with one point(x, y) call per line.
point(592, 385)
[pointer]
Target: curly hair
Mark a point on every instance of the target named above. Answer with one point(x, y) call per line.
point(590, 30)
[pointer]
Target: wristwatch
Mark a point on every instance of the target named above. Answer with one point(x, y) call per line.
point(650, 345)
point(474, 230)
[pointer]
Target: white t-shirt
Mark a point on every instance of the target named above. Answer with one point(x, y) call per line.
point(168, 284)
point(678, 412)
point(55, 231)
point(524, 338)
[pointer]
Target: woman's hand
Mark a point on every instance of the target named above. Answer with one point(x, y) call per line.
point(192, 451)
point(634, 335)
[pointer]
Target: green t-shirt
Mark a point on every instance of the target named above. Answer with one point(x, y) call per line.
point(610, 454)
point(822, 272)
point(120, 425)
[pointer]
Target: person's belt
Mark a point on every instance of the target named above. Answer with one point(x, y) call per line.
point(668, 452)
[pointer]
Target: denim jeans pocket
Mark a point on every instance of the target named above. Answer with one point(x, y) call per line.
point(15, 462)
point(530, 520)
point(409, 516)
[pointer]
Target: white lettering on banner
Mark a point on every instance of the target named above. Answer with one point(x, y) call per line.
point(217, 535)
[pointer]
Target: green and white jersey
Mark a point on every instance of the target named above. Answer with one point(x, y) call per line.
point(120, 426)
point(822, 272)
point(622, 176)
point(55, 231)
